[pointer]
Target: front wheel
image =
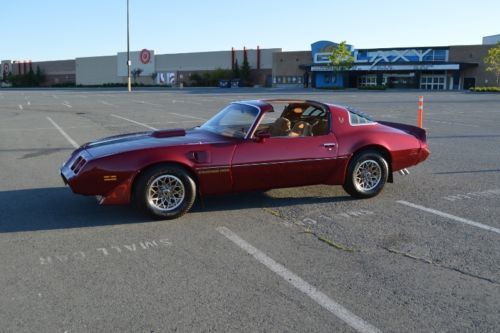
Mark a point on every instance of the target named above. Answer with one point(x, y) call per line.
point(366, 175)
point(165, 192)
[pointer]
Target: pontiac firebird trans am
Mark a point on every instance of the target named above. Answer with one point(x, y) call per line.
point(247, 146)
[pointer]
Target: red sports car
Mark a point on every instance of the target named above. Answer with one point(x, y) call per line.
point(249, 145)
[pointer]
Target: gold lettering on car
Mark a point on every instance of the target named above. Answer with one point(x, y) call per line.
point(110, 178)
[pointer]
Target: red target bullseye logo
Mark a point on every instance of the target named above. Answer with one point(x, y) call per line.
point(145, 56)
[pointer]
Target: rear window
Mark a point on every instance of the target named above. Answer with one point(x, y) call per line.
point(357, 117)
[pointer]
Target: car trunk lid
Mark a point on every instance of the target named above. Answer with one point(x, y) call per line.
point(417, 132)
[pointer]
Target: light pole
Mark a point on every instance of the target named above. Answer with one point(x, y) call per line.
point(128, 51)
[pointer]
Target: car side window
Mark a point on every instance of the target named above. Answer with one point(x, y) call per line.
point(296, 120)
point(358, 118)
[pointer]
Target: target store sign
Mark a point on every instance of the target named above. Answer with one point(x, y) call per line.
point(145, 56)
point(143, 59)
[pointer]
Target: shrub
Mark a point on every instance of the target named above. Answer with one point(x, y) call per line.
point(485, 89)
point(210, 79)
point(63, 85)
point(380, 87)
point(331, 88)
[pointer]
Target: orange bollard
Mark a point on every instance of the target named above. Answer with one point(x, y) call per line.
point(420, 116)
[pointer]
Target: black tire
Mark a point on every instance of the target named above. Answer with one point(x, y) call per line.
point(366, 175)
point(165, 192)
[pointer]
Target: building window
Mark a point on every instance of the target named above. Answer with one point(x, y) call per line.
point(433, 82)
point(290, 79)
point(436, 55)
point(367, 81)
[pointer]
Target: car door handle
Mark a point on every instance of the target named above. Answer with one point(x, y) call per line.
point(329, 145)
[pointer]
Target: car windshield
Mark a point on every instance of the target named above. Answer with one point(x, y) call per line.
point(233, 121)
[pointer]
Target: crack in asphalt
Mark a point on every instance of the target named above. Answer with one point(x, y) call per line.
point(430, 262)
point(342, 247)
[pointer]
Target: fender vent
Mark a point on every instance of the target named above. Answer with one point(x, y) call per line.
point(78, 164)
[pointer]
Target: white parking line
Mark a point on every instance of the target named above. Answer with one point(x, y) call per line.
point(20, 107)
point(187, 116)
point(451, 123)
point(187, 102)
point(109, 104)
point(147, 103)
point(319, 297)
point(451, 217)
point(135, 122)
point(70, 140)
point(66, 104)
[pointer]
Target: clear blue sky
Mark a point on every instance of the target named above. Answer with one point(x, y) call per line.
point(65, 29)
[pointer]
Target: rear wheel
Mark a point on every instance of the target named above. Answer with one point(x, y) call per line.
point(165, 192)
point(366, 175)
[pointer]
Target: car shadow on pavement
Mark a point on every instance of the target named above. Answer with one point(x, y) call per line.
point(261, 200)
point(59, 208)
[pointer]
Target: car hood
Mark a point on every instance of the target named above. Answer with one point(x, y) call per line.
point(146, 140)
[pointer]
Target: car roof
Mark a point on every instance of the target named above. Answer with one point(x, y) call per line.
point(265, 104)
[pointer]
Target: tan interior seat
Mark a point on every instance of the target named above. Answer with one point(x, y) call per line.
point(280, 127)
point(320, 127)
point(301, 128)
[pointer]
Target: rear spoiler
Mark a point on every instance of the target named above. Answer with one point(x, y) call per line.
point(417, 132)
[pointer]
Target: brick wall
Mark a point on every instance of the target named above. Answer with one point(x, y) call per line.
point(473, 54)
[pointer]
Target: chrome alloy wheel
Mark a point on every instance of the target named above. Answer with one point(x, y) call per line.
point(166, 193)
point(367, 175)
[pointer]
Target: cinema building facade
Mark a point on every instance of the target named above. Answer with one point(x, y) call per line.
point(431, 68)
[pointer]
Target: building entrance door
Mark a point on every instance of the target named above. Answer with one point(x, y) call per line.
point(399, 80)
point(469, 82)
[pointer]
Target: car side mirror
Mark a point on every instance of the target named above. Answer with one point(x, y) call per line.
point(261, 137)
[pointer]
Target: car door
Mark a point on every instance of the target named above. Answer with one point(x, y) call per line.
point(283, 162)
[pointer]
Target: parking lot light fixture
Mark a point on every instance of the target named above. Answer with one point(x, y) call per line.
point(129, 85)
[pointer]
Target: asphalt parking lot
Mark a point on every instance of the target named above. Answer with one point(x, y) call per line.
point(423, 256)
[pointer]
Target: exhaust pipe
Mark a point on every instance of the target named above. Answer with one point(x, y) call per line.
point(404, 172)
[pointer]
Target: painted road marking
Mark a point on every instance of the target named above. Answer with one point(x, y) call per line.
point(187, 116)
point(473, 195)
point(109, 104)
point(451, 123)
point(135, 122)
point(451, 217)
point(109, 251)
point(28, 102)
point(147, 103)
point(331, 218)
point(187, 102)
point(66, 104)
point(319, 297)
point(70, 140)
point(20, 107)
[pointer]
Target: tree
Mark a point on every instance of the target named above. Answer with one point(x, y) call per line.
point(39, 76)
point(492, 60)
point(236, 70)
point(245, 71)
point(136, 72)
point(341, 58)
